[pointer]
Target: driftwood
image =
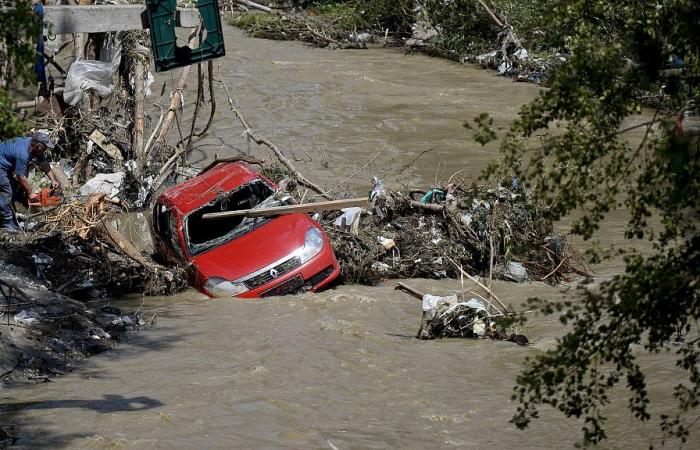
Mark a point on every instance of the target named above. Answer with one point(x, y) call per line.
point(13, 286)
point(176, 104)
point(139, 96)
point(124, 245)
point(409, 290)
point(255, 6)
point(478, 283)
point(162, 129)
point(245, 159)
point(103, 142)
point(332, 205)
point(432, 207)
point(491, 13)
point(212, 98)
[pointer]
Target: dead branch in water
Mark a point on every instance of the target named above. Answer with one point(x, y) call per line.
point(301, 179)
point(212, 98)
point(481, 285)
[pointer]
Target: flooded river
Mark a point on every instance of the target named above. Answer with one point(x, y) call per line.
point(341, 369)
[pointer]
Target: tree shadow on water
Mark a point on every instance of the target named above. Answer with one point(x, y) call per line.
point(110, 403)
point(17, 428)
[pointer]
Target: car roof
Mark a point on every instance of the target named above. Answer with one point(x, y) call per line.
point(202, 189)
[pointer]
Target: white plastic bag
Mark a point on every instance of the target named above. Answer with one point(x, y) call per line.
point(89, 74)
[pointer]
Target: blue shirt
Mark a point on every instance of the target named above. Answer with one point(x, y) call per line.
point(14, 156)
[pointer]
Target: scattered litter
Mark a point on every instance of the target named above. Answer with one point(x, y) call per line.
point(349, 218)
point(26, 318)
point(428, 229)
point(387, 243)
point(515, 271)
point(380, 267)
point(458, 316)
point(104, 183)
point(42, 262)
point(88, 74)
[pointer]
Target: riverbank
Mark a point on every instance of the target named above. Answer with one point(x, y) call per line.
point(470, 33)
point(54, 279)
point(45, 334)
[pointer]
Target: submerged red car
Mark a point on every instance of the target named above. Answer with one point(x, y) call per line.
point(239, 256)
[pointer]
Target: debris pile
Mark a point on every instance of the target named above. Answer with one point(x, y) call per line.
point(314, 30)
point(66, 329)
point(103, 262)
point(491, 230)
point(462, 315)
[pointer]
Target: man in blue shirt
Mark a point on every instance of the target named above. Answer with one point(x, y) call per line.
point(15, 156)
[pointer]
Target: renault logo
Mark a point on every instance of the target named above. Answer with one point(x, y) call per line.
point(274, 273)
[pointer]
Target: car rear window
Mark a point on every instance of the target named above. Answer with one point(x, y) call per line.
point(203, 235)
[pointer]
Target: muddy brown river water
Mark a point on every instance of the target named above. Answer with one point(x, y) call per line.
point(340, 369)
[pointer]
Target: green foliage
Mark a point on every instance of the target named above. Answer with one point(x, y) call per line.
point(340, 13)
point(18, 30)
point(591, 165)
point(464, 25)
point(396, 15)
point(258, 24)
point(483, 133)
point(10, 124)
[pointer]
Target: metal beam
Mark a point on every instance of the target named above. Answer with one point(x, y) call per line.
point(103, 18)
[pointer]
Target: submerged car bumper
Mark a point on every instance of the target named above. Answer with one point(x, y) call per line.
point(314, 275)
point(290, 276)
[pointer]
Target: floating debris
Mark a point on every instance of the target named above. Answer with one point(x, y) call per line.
point(461, 315)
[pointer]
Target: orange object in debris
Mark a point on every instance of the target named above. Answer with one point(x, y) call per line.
point(47, 199)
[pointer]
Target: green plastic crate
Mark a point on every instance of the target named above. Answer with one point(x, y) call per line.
point(166, 54)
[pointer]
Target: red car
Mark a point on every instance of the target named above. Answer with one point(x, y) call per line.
point(239, 256)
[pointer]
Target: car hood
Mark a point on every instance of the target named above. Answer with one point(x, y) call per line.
point(270, 242)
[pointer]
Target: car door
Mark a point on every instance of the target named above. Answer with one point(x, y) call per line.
point(166, 239)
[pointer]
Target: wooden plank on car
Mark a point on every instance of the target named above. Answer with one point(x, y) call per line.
point(67, 19)
point(330, 205)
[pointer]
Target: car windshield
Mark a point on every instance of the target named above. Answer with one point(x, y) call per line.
point(203, 235)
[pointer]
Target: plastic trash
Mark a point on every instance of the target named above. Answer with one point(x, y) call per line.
point(26, 318)
point(378, 189)
point(105, 183)
point(348, 217)
point(380, 267)
point(380, 202)
point(433, 196)
point(42, 262)
point(89, 74)
point(387, 243)
point(521, 54)
point(479, 327)
point(360, 37)
point(515, 272)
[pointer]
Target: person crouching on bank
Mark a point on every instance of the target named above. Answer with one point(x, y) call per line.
point(15, 157)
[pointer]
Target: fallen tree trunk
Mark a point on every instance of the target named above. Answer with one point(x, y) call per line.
point(139, 84)
point(255, 6)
